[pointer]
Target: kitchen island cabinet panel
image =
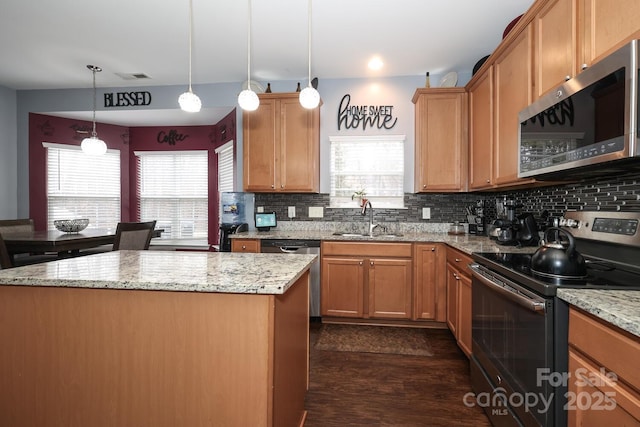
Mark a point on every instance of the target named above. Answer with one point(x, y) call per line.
point(245, 245)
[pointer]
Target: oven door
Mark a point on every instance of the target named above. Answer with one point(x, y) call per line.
point(512, 331)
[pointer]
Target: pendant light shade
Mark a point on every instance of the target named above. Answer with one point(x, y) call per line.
point(309, 96)
point(94, 145)
point(189, 101)
point(248, 99)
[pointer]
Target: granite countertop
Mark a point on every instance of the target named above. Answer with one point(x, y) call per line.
point(222, 272)
point(618, 307)
point(467, 243)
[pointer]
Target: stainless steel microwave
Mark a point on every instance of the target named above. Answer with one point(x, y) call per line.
point(586, 127)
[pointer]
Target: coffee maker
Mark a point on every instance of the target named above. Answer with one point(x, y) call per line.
point(513, 229)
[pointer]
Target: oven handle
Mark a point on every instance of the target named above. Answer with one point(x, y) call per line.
point(532, 305)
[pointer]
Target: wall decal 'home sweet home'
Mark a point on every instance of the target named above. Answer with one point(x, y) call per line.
point(355, 116)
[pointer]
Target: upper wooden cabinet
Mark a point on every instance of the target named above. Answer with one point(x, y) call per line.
point(481, 132)
point(513, 85)
point(281, 146)
point(604, 26)
point(440, 139)
point(555, 46)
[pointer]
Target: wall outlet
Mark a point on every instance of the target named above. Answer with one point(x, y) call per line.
point(316, 212)
point(426, 213)
point(260, 209)
point(292, 211)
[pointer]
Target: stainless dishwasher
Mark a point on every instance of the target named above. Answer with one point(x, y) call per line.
point(300, 247)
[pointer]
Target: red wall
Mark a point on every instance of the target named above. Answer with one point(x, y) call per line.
point(44, 128)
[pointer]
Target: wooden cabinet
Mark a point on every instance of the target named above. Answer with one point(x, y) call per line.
point(440, 139)
point(429, 290)
point(555, 45)
point(281, 146)
point(458, 284)
point(481, 110)
point(604, 26)
point(604, 380)
point(513, 82)
point(366, 280)
point(245, 245)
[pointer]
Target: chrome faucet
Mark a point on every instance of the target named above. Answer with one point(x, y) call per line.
point(372, 226)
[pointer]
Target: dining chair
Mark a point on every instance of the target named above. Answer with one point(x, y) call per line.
point(23, 225)
point(133, 235)
point(5, 258)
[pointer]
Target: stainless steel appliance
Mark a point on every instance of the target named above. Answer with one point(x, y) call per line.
point(301, 247)
point(587, 125)
point(520, 327)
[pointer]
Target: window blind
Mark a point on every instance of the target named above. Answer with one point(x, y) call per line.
point(225, 167)
point(82, 186)
point(173, 190)
point(372, 163)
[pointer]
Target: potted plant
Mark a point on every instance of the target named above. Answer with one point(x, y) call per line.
point(360, 197)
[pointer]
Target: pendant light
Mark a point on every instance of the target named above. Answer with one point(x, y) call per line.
point(189, 101)
point(94, 145)
point(248, 99)
point(309, 96)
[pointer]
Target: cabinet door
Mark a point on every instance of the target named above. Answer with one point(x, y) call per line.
point(440, 160)
point(481, 131)
point(555, 45)
point(513, 93)
point(452, 299)
point(464, 313)
point(342, 287)
point(299, 154)
point(605, 26)
point(259, 147)
point(429, 290)
point(245, 245)
point(389, 288)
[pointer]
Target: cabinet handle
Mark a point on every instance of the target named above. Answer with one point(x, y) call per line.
point(273, 186)
point(360, 263)
point(433, 249)
point(584, 66)
point(456, 276)
point(458, 260)
point(281, 185)
point(558, 94)
point(567, 78)
point(371, 262)
point(424, 185)
point(488, 181)
point(244, 247)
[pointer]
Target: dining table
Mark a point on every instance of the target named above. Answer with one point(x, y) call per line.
point(64, 244)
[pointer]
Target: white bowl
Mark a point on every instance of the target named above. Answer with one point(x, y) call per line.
point(71, 225)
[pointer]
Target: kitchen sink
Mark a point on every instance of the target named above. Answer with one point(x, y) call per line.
point(386, 235)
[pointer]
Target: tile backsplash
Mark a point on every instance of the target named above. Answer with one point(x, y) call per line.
point(612, 194)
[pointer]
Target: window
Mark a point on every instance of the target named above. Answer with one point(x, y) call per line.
point(81, 186)
point(173, 190)
point(372, 163)
point(225, 167)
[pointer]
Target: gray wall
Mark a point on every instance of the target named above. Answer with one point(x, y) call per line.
point(8, 154)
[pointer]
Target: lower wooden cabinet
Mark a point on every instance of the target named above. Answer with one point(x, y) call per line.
point(429, 291)
point(245, 245)
point(366, 280)
point(458, 283)
point(604, 380)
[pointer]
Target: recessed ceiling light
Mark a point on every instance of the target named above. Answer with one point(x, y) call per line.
point(376, 63)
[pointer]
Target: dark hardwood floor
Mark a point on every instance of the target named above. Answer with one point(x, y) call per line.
point(366, 389)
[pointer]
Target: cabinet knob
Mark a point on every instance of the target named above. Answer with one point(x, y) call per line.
point(273, 186)
point(567, 78)
point(281, 185)
point(244, 247)
point(371, 263)
point(424, 185)
point(458, 260)
point(433, 249)
point(360, 263)
point(584, 66)
point(488, 181)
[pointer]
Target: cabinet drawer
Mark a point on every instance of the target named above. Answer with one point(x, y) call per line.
point(608, 346)
point(245, 245)
point(366, 249)
point(459, 259)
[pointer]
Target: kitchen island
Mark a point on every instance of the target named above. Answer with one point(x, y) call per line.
point(155, 338)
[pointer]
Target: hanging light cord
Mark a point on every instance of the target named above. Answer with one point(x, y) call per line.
point(190, 39)
point(309, 37)
point(249, 50)
point(94, 134)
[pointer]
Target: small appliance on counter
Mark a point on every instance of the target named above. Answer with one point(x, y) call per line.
point(511, 229)
point(228, 229)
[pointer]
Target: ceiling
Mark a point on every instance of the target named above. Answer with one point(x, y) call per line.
point(47, 45)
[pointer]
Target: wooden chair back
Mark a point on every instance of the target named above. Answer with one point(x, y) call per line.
point(24, 225)
point(133, 235)
point(5, 258)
